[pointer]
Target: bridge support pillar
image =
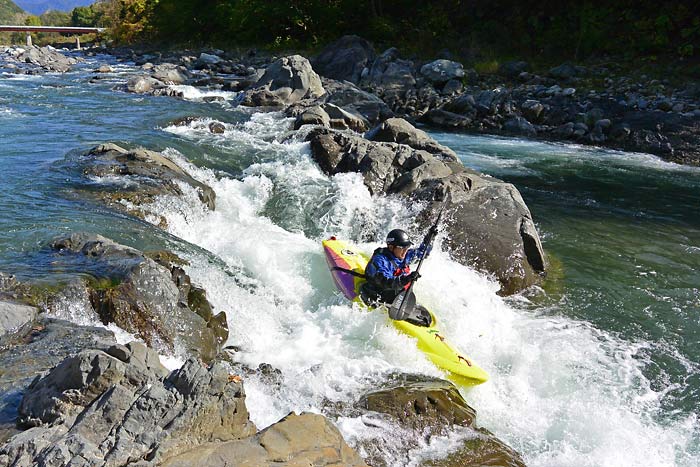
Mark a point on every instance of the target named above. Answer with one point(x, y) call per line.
point(77, 42)
point(29, 39)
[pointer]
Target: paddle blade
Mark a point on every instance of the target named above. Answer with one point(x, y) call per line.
point(400, 310)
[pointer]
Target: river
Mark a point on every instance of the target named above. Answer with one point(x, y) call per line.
point(598, 367)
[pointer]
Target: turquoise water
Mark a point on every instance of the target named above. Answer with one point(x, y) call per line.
point(626, 230)
point(599, 367)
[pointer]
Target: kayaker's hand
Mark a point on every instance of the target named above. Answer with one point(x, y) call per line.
point(407, 279)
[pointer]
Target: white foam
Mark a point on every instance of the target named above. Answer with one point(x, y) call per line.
point(192, 93)
point(561, 392)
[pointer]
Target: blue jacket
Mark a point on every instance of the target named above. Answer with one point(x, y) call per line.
point(385, 271)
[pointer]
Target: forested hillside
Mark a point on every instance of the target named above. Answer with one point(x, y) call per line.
point(8, 11)
point(565, 29)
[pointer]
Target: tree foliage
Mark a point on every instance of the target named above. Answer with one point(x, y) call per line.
point(557, 29)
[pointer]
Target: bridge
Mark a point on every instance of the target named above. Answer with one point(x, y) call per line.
point(66, 29)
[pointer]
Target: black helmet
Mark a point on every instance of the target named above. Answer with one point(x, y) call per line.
point(398, 237)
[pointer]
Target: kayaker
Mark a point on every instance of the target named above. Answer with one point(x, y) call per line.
point(388, 271)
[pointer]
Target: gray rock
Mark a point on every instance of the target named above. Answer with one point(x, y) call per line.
point(14, 317)
point(532, 110)
point(564, 131)
point(664, 105)
point(340, 119)
point(519, 126)
point(354, 100)
point(296, 440)
point(206, 59)
point(104, 69)
point(513, 68)
point(345, 59)
point(441, 71)
point(170, 74)
point(143, 297)
point(398, 130)
point(313, 116)
point(453, 86)
point(444, 118)
point(44, 346)
point(144, 85)
point(151, 174)
point(593, 116)
point(620, 132)
point(286, 81)
point(580, 129)
point(100, 409)
point(217, 128)
point(389, 71)
point(47, 58)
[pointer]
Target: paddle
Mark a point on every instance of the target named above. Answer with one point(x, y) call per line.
point(406, 300)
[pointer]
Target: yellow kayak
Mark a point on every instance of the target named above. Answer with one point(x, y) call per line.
point(347, 266)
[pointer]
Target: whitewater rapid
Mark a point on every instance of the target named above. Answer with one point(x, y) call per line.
point(561, 392)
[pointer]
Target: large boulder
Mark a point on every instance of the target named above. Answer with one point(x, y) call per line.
point(398, 130)
point(147, 174)
point(441, 71)
point(47, 58)
point(152, 300)
point(118, 405)
point(345, 59)
point(355, 100)
point(489, 227)
point(390, 72)
point(286, 81)
point(296, 440)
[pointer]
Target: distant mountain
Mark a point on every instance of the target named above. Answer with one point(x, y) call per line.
point(8, 10)
point(37, 7)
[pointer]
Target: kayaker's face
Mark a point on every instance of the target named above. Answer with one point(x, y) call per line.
point(399, 251)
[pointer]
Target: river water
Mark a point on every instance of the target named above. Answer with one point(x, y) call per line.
point(598, 367)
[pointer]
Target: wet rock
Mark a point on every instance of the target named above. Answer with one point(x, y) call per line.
point(118, 405)
point(296, 440)
point(340, 119)
point(141, 296)
point(47, 58)
point(144, 84)
point(147, 174)
point(15, 318)
point(33, 351)
point(104, 69)
point(398, 130)
point(313, 116)
point(354, 100)
point(441, 71)
point(484, 449)
point(217, 128)
point(519, 126)
point(345, 59)
point(286, 81)
point(170, 74)
point(428, 406)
